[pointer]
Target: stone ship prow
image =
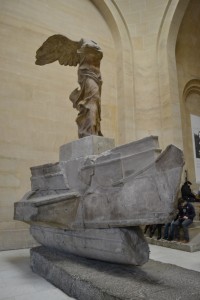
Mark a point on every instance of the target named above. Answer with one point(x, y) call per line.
point(97, 190)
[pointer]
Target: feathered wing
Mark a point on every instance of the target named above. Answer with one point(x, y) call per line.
point(58, 47)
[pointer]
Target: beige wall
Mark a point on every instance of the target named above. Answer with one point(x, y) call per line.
point(188, 67)
point(140, 93)
point(143, 19)
point(36, 115)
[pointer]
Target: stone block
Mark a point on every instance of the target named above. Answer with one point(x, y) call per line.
point(58, 210)
point(120, 245)
point(126, 186)
point(90, 145)
point(87, 279)
point(48, 177)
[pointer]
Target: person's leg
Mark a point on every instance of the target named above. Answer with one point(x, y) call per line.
point(159, 227)
point(176, 229)
point(185, 225)
point(146, 228)
point(171, 231)
point(166, 231)
point(152, 230)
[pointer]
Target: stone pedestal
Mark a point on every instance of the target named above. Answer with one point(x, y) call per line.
point(87, 279)
point(197, 210)
point(117, 245)
point(90, 145)
point(92, 202)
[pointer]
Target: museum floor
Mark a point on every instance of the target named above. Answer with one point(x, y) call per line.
point(18, 282)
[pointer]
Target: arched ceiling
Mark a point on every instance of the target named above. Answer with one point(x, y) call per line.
point(188, 45)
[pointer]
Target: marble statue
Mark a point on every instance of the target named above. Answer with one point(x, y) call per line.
point(93, 202)
point(87, 100)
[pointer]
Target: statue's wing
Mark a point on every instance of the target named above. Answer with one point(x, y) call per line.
point(58, 47)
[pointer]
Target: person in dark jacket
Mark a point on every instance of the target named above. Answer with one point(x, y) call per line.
point(185, 219)
point(197, 144)
point(186, 192)
point(169, 227)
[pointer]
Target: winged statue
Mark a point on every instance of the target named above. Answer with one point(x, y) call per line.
point(86, 99)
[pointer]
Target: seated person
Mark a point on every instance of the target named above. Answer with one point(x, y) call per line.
point(169, 227)
point(169, 231)
point(184, 220)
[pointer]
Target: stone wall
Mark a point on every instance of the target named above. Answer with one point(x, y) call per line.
point(36, 116)
point(188, 68)
point(143, 19)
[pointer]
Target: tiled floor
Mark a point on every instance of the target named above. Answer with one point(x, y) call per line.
point(18, 282)
point(187, 260)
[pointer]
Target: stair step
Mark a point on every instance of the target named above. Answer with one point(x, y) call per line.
point(193, 231)
point(195, 224)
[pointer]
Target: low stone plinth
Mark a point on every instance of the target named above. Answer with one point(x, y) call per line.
point(189, 247)
point(197, 210)
point(192, 246)
point(89, 145)
point(86, 279)
point(116, 245)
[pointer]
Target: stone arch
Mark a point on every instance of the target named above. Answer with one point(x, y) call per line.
point(125, 84)
point(187, 63)
point(178, 95)
point(192, 86)
point(167, 73)
point(191, 106)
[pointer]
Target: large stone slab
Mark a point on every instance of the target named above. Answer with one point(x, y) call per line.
point(129, 185)
point(121, 245)
point(86, 279)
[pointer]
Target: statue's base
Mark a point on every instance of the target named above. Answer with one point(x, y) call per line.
point(89, 145)
point(87, 279)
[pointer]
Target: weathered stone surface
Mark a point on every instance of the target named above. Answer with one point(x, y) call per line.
point(117, 188)
point(86, 279)
point(121, 245)
point(145, 197)
point(57, 210)
point(91, 204)
point(147, 143)
point(90, 145)
point(48, 177)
